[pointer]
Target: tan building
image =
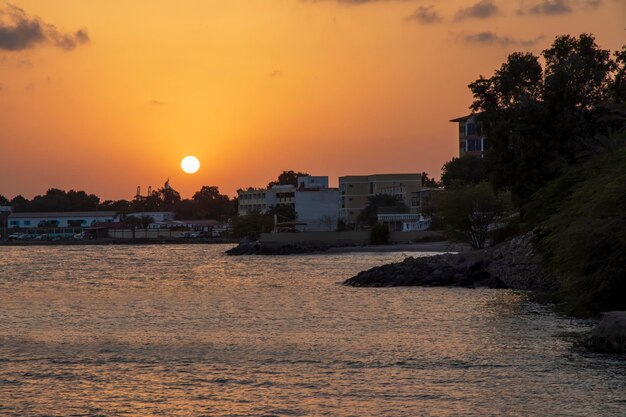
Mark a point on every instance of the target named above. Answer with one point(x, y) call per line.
point(263, 199)
point(471, 138)
point(354, 191)
point(252, 199)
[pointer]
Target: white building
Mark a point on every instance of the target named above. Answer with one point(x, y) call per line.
point(60, 219)
point(157, 216)
point(318, 208)
point(405, 222)
point(316, 205)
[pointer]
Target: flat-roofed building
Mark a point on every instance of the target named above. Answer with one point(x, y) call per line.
point(60, 219)
point(317, 205)
point(471, 138)
point(156, 216)
point(263, 199)
point(354, 191)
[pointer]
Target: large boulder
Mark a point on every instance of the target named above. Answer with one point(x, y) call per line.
point(609, 335)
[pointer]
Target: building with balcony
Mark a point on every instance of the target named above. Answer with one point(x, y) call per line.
point(263, 199)
point(354, 191)
point(471, 138)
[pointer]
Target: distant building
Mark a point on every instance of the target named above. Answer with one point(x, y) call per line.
point(316, 204)
point(354, 191)
point(263, 199)
point(252, 199)
point(471, 138)
point(405, 222)
point(60, 219)
point(157, 216)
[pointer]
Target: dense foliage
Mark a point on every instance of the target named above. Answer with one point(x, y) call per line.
point(287, 178)
point(471, 213)
point(538, 119)
point(251, 225)
point(207, 203)
point(557, 141)
point(466, 170)
point(583, 219)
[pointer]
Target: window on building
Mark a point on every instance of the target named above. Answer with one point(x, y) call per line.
point(474, 129)
point(474, 145)
point(371, 188)
point(26, 222)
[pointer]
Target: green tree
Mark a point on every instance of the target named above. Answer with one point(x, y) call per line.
point(4, 201)
point(251, 225)
point(283, 211)
point(537, 119)
point(19, 204)
point(211, 204)
point(287, 178)
point(428, 182)
point(119, 206)
point(132, 223)
point(469, 213)
point(466, 170)
point(380, 203)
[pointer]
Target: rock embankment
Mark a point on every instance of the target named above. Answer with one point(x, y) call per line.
point(609, 335)
point(458, 270)
point(513, 264)
point(274, 249)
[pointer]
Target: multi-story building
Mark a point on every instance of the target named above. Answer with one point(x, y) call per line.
point(354, 191)
point(316, 204)
point(471, 138)
point(252, 199)
point(263, 199)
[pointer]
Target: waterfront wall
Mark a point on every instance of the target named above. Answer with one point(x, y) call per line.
point(145, 233)
point(345, 238)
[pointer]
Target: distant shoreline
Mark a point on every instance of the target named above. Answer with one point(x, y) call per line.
point(108, 241)
point(442, 246)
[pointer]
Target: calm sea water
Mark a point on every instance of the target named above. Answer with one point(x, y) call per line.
point(184, 331)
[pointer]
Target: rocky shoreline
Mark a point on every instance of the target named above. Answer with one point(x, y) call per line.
point(513, 264)
point(255, 248)
point(609, 336)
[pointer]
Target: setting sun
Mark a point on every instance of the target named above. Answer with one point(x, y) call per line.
point(190, 164)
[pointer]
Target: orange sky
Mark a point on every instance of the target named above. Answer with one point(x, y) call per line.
point(253, 87)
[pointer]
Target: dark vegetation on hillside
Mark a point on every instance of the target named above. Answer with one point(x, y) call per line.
point(556, 136)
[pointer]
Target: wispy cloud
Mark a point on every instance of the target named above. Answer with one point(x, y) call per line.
point(549, 7)
point(426, 15)
point(491, 38)
point(484, 9)
point(559, 7)
point(275, 74)
point(19, 31)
